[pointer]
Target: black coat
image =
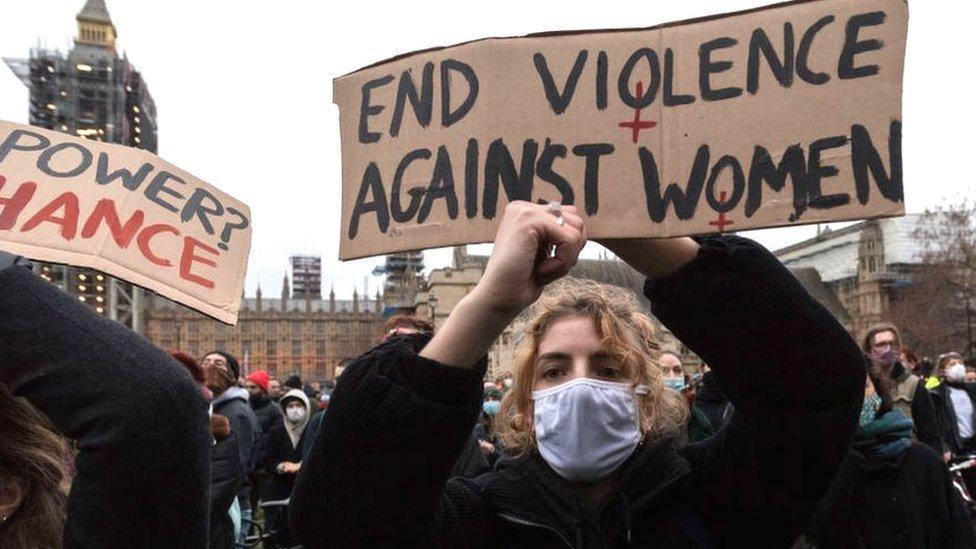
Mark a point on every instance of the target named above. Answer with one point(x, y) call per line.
point(905, 503)
point(947, 415)
point(245, 425)
point(377, 474)
point(268, 414)
point(277, 450)
point(226, 477)
point(135, 414)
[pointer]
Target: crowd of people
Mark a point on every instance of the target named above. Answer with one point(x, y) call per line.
point(788, 433)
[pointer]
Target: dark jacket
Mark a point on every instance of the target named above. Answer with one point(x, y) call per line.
point(905, 503)
point(397, 421)
point(136, 416)
point(268, 414)
point(923, 414)
point(711, 402)
point(279, 449)
point(946, 413)
point(226, 478)
point(233, 405)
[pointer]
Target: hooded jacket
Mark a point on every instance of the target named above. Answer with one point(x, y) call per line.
point(397, 421)
point(279, 448)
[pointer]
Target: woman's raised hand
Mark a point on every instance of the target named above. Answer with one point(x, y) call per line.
point(520, 265)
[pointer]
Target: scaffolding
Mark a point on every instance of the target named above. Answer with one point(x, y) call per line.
point(93, 93)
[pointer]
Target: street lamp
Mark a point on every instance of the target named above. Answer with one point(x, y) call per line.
point(432, 305)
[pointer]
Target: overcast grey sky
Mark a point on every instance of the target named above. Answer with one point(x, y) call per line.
point(244, 94)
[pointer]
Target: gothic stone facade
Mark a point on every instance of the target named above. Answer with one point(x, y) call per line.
point(283, 336)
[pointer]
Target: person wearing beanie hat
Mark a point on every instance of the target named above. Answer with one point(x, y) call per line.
point(266, 411)
point(268, 415)
point(222, 371)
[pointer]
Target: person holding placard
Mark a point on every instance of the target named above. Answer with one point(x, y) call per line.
point(589, 419)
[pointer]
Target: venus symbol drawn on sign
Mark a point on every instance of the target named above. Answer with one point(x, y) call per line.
point(721, 222)
point(636, 125)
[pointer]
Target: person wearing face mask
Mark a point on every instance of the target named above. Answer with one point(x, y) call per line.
point(282, 455)
point(673, 375)
point(957, 407)
point(889, 492)
point(883, 343)
point(484, 430)
point(222, 371)
point(590, 425)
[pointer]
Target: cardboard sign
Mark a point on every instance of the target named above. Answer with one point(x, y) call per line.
point(784, 115)
point(123, 211)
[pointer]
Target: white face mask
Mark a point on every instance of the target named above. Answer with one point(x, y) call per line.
point(586, 428)
point(295, 414)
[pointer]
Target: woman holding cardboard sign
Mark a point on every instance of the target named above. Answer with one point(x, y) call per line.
point(589, 420)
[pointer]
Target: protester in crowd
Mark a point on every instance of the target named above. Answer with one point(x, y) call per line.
point(948, 360)
point(136, 417)
point(926, 371)
point(674, 378)
point(231, 401)
point(274, 390)
point(32, 476)
point(484, 430)
point(910, 360)
point(957, 406)
point(405, 324)
point(883, 343)
point(711, 402)
point(282, 456)
point(293, 381)
point(970, 374)
point(267, 412)
point(889, 491)
point(225, 470)
point(588, 416)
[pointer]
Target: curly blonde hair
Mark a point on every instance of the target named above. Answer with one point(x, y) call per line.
point(625, 331)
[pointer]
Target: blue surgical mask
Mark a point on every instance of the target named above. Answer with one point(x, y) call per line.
point(674, 383)
point(491, 407)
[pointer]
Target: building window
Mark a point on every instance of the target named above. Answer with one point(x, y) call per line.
point(272, 328)
point(296, 327)
point(320, 348)
point(272, 348)
point(296, 348)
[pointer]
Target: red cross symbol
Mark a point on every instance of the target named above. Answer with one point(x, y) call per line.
point(637, 124)
point(721, 222)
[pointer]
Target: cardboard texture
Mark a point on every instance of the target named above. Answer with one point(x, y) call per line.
point(123, 211)
point(784, 115)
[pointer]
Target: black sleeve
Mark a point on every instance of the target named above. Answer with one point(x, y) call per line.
point(794, 375)
point(138, 420)
point(243, 425)
point(379, 463)
point(225, 475)
point(926, 422)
